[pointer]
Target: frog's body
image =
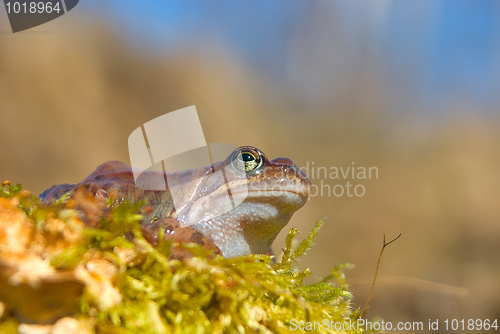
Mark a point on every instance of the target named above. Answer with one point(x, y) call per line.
point(239, 204)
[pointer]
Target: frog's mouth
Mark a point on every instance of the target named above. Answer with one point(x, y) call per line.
point(242, 198)
point(295, 197)
point(294, 190)
point(249, 219)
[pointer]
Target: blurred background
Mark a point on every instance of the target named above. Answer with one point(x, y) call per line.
point(412, 88)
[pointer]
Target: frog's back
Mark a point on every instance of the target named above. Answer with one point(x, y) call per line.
point(110, 176)
point(115, 179)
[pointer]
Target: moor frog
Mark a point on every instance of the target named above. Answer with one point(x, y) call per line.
point(239, 204)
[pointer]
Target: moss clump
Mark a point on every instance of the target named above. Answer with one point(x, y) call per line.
point(130, 286)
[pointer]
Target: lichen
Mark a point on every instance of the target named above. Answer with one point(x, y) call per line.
point(131, 286)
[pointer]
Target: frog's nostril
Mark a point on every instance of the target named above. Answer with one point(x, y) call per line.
point(283, 161)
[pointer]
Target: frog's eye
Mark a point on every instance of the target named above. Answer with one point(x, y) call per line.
point(247, 160)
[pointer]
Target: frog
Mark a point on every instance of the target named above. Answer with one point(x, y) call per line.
point(236, 206)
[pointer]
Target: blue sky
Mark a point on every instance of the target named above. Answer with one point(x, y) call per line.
point(440, 49)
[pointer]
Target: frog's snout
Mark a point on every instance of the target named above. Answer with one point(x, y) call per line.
point(289, 163)
point(283, 161)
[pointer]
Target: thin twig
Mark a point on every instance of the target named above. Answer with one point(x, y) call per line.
point(376, 272)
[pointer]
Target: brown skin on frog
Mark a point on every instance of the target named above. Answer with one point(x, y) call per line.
point(239, 204)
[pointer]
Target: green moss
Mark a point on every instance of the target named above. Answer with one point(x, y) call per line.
point(203, 294)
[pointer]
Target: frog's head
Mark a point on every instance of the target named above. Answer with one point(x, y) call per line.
point(243, 202)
